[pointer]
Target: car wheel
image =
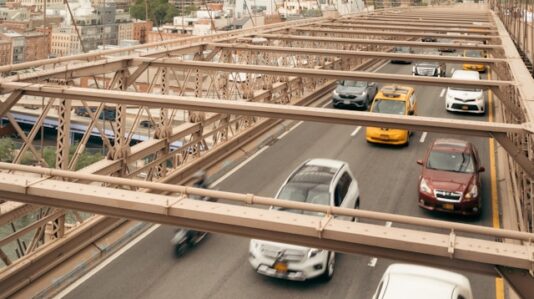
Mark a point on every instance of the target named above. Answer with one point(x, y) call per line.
point(330, 267)
point(356, 206)
point(179, 249)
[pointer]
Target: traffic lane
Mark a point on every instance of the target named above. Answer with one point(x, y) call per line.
point(315, 140)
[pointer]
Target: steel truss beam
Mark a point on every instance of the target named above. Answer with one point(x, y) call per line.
point(384, 42)
point(448, 250)
point(417, 123)
point(315, 73)
point(434, 28)
point(413, 23)
point(395, 33)
point(352, 53)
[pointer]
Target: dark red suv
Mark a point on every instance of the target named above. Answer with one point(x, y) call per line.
point(450, 179)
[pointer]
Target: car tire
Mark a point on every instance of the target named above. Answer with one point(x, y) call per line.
point(357, 207)
point(330, 267)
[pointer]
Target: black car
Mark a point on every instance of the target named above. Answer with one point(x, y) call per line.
point(429, 39)
point(402, 50)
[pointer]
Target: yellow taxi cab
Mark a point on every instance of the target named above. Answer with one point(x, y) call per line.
point(475, 66)
point(392, 99)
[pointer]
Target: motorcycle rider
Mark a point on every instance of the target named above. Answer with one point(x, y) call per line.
point(193, 236)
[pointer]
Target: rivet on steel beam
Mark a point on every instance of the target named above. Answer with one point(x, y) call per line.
point(452, 241)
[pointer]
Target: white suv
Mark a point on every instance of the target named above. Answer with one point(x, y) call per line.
point(319, 181)
point(402, 281)
point(465, 99)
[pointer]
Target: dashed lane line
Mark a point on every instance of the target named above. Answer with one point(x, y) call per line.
point(374, 260)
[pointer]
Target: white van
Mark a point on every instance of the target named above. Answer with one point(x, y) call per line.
point(465, 99)
point(401, 281)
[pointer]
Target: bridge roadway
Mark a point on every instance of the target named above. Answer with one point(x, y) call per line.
point(218, 267)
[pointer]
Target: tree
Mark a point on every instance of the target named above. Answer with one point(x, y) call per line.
point(7, 147)
point(159, 11)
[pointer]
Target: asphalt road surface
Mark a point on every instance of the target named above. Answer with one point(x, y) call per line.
point(218, 267)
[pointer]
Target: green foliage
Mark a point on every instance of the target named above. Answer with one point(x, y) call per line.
point(189, 9)
point(8, 150)
point(7, 146)
point(49, 155)
point(87, 159)
point(160, 10)
point(28, 158)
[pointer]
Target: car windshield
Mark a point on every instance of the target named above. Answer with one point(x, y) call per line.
point(389, 106)
point(350, 83)
point(466, 89)
point(451, 161)
point(473, 53)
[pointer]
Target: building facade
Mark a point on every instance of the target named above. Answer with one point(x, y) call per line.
point(35, 46)
point(141, 29)
point(6, 57)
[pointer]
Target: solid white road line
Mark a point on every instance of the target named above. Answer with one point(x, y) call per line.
point(452, 70)
point(290, 129)
point(106, 262)
point(355, 131)
point(442, 93)
point(374, 260)
point(423, 137)
point(229, 173)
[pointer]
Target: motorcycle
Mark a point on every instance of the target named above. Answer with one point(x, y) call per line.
point(185, 238)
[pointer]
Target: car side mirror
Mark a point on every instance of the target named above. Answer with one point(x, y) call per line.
point(420, 162)
point(481, 169)
point(411, 112)
point(372, 84)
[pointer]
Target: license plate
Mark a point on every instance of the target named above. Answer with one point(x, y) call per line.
point(448, 206)
point(464, 107)
point(280, 267)
point(346, 102)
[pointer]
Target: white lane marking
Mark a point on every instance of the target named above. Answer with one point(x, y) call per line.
point(374, 260)
point(380, 67)
point(452, 70)
point(214, 184)
point(355, 131)
point(442, 93)
point(289, 130)
point(423, 137)
point(106, 262)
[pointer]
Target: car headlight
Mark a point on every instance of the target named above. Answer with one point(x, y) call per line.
point(450, 98)
point(472, 193)
point(423, 187)
point(413, 70)
point(314, 252)
point(364, 93)
point(335, 92)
